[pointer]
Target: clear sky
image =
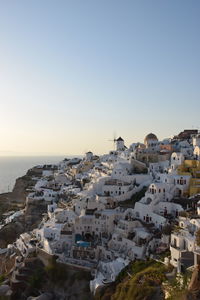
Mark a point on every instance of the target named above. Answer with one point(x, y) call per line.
point(74, 72)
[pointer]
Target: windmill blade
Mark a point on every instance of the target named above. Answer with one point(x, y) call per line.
point(114, 135)
point(114, 138)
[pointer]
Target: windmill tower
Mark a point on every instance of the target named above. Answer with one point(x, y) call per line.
point(120, 144)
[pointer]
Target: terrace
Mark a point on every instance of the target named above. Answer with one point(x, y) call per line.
point(116, 182)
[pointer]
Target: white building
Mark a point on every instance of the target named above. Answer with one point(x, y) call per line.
point(120, 144)
point(89, 156)
point(26, 244)
point(151, 141)
point(184, 250)
point(177, 158)
point(196, 140)
point(92, 223)
point(197, 152)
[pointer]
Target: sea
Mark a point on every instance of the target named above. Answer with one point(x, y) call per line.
point(13, 167)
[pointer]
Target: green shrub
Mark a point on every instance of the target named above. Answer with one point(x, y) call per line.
point(135, 198)
point(2, 278)
point(56, 272)
point(35, 280)
point(183, 214)
point(146, 279)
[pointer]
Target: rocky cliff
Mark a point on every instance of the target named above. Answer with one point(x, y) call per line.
point(34, 211)
point(15, 201)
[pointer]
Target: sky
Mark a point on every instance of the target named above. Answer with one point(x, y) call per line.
point(75, 73)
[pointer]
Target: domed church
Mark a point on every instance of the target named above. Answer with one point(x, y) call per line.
point(150, 140)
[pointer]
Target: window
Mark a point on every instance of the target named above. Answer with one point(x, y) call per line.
point(175, 243)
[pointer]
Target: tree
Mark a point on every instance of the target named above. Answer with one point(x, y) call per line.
point(183, 214)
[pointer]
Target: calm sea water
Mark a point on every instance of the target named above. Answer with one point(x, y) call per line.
point(13, 167)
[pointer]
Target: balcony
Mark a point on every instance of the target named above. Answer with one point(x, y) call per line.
point(175, 246)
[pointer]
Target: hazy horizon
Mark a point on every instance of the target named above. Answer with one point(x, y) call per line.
point(13, 167)
point(73, 73)
point(42, 154)
point(38, 155)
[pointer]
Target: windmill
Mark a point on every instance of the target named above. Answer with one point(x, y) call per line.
point(113, 140)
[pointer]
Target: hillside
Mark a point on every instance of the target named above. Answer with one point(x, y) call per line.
point(149, 280)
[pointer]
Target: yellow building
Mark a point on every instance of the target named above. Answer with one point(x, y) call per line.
point(81, 168)
point(191, 167)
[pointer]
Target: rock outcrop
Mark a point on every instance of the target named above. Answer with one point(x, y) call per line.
point(15, 201)
point(34, 211)
point(5, 292)
point(194, 286)
point(10, 232)
point(44, 296)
